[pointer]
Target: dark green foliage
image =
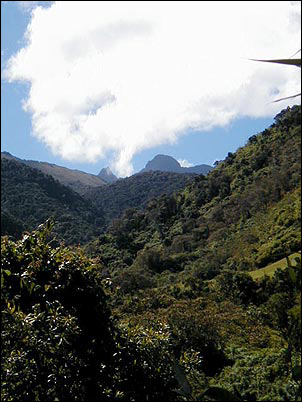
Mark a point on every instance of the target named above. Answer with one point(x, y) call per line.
point(32, 197)
point(191, 330)
point(10, 225)
point(135, 191)
point(260, 376)
point(147, 373)
point(57, 339)
point(238, 286)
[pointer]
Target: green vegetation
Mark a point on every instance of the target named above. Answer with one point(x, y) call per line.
point(78, 181)
point(29, 198)
point(135, 191)
point(168, 303)
point(244, 215)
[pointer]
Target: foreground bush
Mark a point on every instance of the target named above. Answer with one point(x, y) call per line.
point(57, 335)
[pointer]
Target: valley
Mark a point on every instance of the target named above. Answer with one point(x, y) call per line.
point(170, 280)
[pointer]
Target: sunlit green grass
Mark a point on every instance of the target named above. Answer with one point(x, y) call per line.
point(271, 268)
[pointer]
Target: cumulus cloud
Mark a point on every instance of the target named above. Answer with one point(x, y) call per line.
point(120, 77)
point(184, 163)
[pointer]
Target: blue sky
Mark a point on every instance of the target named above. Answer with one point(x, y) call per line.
point(219, 122)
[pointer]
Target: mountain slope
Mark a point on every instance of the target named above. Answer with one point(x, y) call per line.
point(245, 214)
point(135, 191)
point(29, 197)
point(74, 179)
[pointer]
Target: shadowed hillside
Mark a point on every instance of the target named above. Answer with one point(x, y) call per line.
point(29, 198)
point(135, 191)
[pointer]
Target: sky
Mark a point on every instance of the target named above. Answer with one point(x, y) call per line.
point(90, 84)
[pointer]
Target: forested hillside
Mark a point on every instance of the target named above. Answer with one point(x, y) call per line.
point(244, 214)
point(78, 181)
point(163, 305)
point(29, 198)
point(135, 191)
point(179, 268)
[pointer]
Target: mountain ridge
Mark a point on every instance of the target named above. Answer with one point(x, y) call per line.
point(29, 185)
point(81, 182)
point(75, 179)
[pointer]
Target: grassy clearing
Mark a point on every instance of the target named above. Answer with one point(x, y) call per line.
point(271, 268)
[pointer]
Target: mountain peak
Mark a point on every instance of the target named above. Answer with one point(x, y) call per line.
point(107, 175)
point(166, 163)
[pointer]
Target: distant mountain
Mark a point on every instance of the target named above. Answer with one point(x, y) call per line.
point(106, 175)
point(29, 197)
point(74, 179)
point(165, 163)
point(198, 169)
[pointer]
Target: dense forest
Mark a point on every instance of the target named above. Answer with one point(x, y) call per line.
point(135, 191)
point(29, 198)
point(167, 303)
point(77, 180)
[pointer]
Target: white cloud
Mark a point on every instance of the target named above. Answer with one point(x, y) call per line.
point(184, 163)
point(126, 76)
